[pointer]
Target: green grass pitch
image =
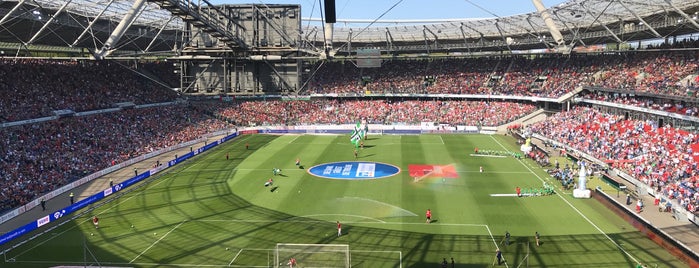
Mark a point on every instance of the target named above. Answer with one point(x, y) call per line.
point(213, 212)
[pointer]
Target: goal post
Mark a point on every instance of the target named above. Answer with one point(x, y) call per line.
point(312, 255)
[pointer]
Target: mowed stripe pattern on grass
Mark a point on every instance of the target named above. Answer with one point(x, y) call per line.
point(190, 215)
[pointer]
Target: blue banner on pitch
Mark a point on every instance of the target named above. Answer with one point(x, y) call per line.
point(354, 170)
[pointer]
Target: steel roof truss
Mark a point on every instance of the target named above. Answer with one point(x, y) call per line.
point(683, 14)
point(158, 34)
point(48, 22)
point(641, 20)
point(17, 6)
point(602, 24)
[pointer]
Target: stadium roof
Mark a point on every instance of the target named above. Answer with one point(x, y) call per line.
point(579, 21)
point(576, 17)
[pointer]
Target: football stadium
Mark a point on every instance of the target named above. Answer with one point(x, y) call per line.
point(203, 133)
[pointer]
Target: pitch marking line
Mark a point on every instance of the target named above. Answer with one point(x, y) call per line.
point(156, 241)
point(297, 136)
point(495, 172)
point(496, 244)
point(357, 222)
point(87, 219)
point(574, 208)
point(488, 155)
point(235, 257)
point(440, 138)
point(379, 203)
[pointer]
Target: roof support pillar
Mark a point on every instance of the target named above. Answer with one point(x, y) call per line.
point(89, 26)
point(389, 39)
point(555, 33)
point(119, 31)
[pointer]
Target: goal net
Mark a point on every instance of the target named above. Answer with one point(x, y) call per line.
point(312, 255)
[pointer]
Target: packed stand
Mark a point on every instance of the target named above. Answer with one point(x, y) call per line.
point(451, 76)
point(472, 113)
point(655, 103)
point(41, 157)
point(33, 88)
point(661, 157)
point(664, 73)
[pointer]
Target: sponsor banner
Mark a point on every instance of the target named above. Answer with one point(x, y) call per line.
point(30, 121)
point(9, 215)
point(107, 192)
point(6, 237)
point(42, 221)
point(354, 170)
point(158, 169)
point(134, 180)
point(93, 112)
point(402, 131)
point(274, 131)
point(245, 132)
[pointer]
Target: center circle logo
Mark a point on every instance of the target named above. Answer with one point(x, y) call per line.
point(354, 170)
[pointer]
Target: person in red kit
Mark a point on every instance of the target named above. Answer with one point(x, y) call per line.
point(428, 215)
point(339, 228)
point(96, 222)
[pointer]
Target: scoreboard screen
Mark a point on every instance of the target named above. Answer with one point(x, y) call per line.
point(368, 58)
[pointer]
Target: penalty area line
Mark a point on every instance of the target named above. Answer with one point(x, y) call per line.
point(235, 257)
point(496, 244)
point(156, 241)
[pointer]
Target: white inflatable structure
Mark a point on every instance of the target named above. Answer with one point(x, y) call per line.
point(581, 191)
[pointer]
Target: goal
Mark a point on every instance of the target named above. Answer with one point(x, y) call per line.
point(312, 255)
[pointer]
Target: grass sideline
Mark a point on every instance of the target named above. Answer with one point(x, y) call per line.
point(213, 212)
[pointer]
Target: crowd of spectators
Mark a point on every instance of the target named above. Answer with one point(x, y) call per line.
point(661, 157)
point(37, 158)
point(457, 112)
point(655, 103)
point(41, 157)
point(39, 87)
point(659, 72)
point(494, 76)
point(33, 88)
point(651, 72)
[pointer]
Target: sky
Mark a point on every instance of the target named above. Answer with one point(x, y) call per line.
point(409, 9)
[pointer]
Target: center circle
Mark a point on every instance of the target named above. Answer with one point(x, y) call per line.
point(354, 170)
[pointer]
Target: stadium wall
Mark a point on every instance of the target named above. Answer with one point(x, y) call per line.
point(660, 237)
